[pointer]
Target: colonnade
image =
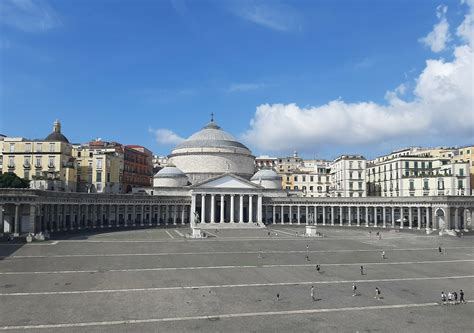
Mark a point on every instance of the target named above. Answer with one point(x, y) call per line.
point(226, 208)
point(51, 217)
point(391, 216)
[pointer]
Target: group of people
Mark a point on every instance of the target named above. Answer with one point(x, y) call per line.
point(452, 298)
point(354, 291)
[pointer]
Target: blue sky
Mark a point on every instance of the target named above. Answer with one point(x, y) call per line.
point(322, 77)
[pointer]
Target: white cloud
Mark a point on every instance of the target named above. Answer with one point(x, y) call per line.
point(442, 106)
point(274, 15)
point(166, 137)
point(28, 15)
point(437, 39)
point(242, 87)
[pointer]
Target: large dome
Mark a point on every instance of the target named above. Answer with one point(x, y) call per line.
point(211, 152)
point(170, 177)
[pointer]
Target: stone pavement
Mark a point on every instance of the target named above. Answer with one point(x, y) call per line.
point(156, 280)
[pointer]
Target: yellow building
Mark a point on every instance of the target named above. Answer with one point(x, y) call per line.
point(99, 167)
point(48, 163)
point(466, 154)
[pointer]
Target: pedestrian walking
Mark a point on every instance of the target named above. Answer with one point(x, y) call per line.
point(354, 290)
point(439, 249)
point(361, 270)
point(278, 296)
point(318, 268)
point(383, 255)
point(307, 247)
point(268, 234)
point(312, 293)
point(461, 297)
point(443, 298)
point(260, 254)
point(307, 258)
point(455, 297)
point(377, 293)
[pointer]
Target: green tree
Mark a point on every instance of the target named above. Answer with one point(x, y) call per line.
point(11, 180)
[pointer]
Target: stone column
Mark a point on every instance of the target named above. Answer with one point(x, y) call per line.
point(33, 219)
point(366, 216)
point(410, 217)
point(203, 208)
point(17, 225)
point(101, 215)
point(232, 207)
point(192, 217)
point(427, 217)
point(456, 219)
point(384, 217)
point(358, 216)
point(419, 217)
point(375, 216)
point(274, 214)
point(259, 208)
point(298, 212)
point(332, 215)
point(393, 216)
point(250, 209)
point(142, 214)
point(175, 213)
point(241, 208)
point(349, 215)
point(324, 215)
point(401, 218)
point(290, 214)
point(86, 216)
point(221, 220)
point(282, 217)
point(212, 207)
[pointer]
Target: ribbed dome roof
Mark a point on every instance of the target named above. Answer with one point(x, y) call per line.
point(266, 174)
point(56, 137)
point(211, 136)
point(170, 172)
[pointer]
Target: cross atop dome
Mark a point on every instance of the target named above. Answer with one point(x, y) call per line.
point(212, 117)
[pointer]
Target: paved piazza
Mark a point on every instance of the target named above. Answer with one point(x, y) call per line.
point(155, 280)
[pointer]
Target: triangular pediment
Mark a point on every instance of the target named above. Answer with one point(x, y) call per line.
point(227, 181)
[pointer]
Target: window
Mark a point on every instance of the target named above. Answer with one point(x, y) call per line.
point(407, 164)
point(319, 179)
point(287, 179)
point(360, 165)
point(91, 154)
point(108, 177)
point(461, 172)
point(98, 176)
point(426, 184)
point(27, 147)
point(39, 147)
point(412, 185)
point(320, 189)
point(51, 147)
point(360, 185)
point(460, 184)
point(38, 162)
point(11, 162)
point(416, 165)
point(78, 154)
point(296, 178)
point(51, 162)
point(350, 175)
point(360, 175)
point(26, 164)
point(350, 186)
point(440, 184)
point(27, 174)
point(12, 147)
point(311, 178)
point(296, 187)
point(304, 178)
point(350, 165)
point(99, 187)
point(99, 163)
